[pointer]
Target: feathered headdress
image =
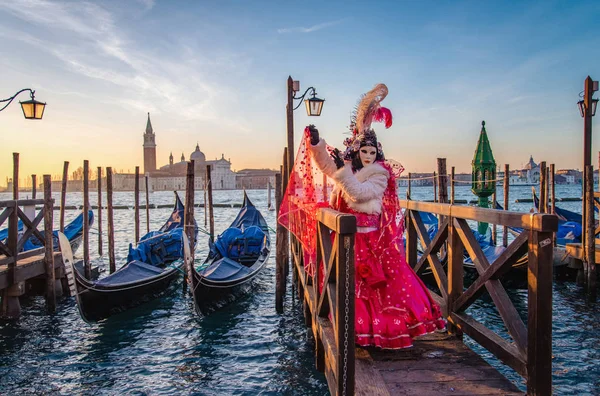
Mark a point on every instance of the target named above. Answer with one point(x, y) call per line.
point(367, 111)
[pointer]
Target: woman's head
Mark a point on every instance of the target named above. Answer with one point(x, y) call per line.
point(367, 152)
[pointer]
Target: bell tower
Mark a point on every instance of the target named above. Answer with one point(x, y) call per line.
point(149, 148)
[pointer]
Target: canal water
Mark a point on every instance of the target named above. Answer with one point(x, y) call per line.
point(245, 347)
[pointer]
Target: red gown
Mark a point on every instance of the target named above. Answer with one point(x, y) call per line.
point(392, 303)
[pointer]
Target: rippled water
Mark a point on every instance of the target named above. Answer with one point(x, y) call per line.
point(162, 347)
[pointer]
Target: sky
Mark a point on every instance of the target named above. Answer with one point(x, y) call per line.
point(215, 73)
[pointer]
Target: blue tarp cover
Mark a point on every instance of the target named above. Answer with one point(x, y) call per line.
point(226, 269)
point(132, 272)
point(158, 249)
point(236, 242)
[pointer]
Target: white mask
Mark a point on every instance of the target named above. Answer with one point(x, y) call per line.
point(367, 155)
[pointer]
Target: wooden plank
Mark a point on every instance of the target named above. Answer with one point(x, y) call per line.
point(538, 222)
point(368, 380)
point(501, 348)
point(434, 246)
point(434, 262)
point(344, 318)
point(502, 264)
point(27, 268)
point(437, 364)
point(337, 221)
point(8, 204)
point(455, 271)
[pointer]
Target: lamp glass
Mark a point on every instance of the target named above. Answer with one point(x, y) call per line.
point(581, 108)
point(314, 106)
point(32, 109)
point(594, 104)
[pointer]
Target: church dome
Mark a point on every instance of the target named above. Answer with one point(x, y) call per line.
point(198, 156)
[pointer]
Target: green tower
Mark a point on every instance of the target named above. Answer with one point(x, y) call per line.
point(483, 176)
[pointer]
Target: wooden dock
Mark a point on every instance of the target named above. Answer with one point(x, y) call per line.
point(437, 364)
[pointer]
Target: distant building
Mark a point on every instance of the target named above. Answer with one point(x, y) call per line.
point(255, 178)
point(172, 176)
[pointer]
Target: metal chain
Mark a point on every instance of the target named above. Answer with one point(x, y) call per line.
point(346, 312)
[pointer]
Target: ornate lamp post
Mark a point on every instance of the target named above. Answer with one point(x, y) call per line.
point(483, 176)
point(32, 109)
point(314, 106)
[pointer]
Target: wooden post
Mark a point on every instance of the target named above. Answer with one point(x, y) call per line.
point(493, 225)
point(110, 224)
point(63, 195)
point(455, 273)
point(284, 184)
point(280, 280)
point(442, 181)
point(543, 198)
point(590, 245)
point(33, 186)
point(539, 323)
point(552, 189)
point(86, 224)
point(344, 324)
point(188, 220)
point(15, 176)
point(547, 208)
point(49, 250)
point(408, 188)
point(588, 92)
point(290, 125)
point(452, 185)
point(211, 217)
point(136, 198)
point(205, 205)
point(147, 180)
point(434, 187)
point(506, 188)
point(99, 211)
point(269, 194)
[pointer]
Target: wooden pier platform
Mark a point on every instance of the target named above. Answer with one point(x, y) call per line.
point(437, 364)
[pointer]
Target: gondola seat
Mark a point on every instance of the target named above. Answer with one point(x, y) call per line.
point(226, 269)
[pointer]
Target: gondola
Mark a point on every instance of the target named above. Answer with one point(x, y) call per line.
point(73, 231)
point(569, 223)
point(151, 267)
point(234, 260)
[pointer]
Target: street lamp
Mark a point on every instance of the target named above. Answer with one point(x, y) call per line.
point(581, 105)
point(32, 109)
point(314, 106)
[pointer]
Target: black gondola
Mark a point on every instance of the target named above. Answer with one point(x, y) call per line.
point(235, 259)
point(151, 266)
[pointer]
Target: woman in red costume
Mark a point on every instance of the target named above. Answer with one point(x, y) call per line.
point(392, 303)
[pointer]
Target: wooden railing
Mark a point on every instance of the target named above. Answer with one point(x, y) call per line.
point(328, 298)
point(530, 351)
point(11, 282)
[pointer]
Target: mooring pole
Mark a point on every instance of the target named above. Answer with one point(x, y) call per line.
point(137, 203)
point(99, 183)
point(452, 185)
point(33, 186)
point(15, 176)
point(48, 248)
point(188, 220)
point(147, 180)
point(86, 221)
point(210, 202)
point(111, 227)
point(279, 268)
point(63, 195)
point(506, 187)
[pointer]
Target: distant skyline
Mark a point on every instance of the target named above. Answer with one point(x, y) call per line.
point(215, 73)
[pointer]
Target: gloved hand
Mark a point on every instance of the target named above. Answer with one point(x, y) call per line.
point(337, 158)
point(314, 134)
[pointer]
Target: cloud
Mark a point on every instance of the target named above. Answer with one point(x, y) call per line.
point(310, 29)
point(89, 41)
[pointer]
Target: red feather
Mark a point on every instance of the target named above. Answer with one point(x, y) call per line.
point(383, 114)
